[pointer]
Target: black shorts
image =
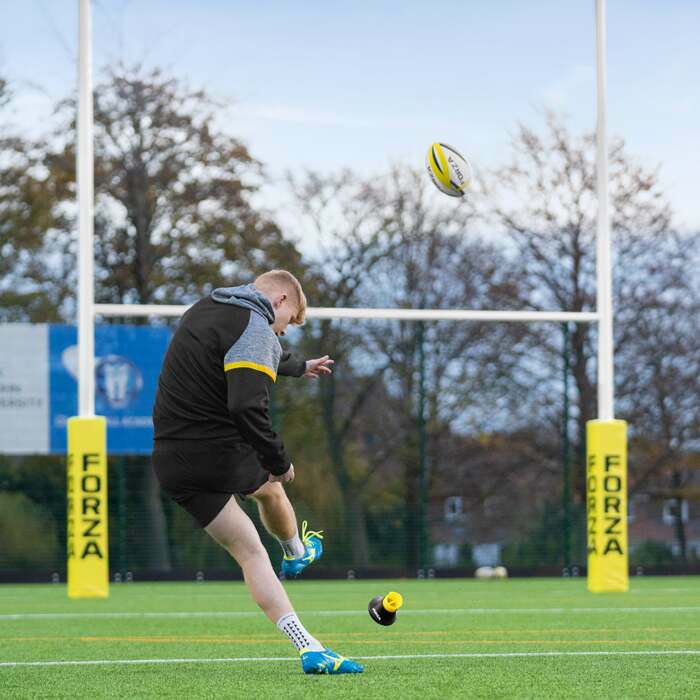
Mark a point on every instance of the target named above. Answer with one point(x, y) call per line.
point(202, 476)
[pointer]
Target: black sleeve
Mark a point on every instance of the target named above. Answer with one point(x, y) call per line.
point(291, 365)
point(249, 406)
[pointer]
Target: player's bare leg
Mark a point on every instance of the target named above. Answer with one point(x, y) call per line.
point(276, 512)
point(235, 531)
point(279, 519)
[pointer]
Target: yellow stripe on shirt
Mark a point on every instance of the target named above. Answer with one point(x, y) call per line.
point(251, 365)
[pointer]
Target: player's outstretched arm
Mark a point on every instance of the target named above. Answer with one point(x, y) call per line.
point(292, 365)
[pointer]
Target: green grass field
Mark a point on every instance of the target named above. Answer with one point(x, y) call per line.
point(539, 638)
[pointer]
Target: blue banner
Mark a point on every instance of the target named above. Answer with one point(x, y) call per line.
point(127, 364)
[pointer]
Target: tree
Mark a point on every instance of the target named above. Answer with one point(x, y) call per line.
point(352, 233)
point(659, 384)
point(545, 201)
point(436, 261)
point(31, 266)
point(173, 214)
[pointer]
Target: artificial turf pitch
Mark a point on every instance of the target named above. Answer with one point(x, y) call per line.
point(536, 638)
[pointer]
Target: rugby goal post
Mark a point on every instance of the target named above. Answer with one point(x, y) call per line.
point(606, 460)
point(87, 536)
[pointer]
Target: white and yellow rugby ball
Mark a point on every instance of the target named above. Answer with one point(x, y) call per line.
point(448, 169)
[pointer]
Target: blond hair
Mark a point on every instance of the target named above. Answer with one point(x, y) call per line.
point(286, 280)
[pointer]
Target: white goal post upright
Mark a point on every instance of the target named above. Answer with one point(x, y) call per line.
point(606, 466)
point(606, 387)
point(86, 195)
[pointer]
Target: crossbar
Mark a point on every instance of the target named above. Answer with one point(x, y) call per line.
point(176, 310)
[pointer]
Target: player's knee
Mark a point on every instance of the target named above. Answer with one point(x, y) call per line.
point(238, 544)
point(251, 553)
point(244, 547)
point(270, 492)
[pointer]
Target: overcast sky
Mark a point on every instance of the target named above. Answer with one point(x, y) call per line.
point(362, 84)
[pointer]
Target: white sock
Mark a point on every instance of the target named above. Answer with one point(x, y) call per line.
point(293, 547)
point(291, 625)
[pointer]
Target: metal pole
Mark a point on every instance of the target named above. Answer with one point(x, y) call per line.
point(566, 456)
point(604, 266)
point(422, 451)
point(420, 314)
point(85, 185)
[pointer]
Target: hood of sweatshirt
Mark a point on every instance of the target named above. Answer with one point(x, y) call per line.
point(249, 297)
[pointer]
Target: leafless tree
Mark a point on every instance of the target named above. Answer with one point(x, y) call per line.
point(352, 235)
point(545, 202)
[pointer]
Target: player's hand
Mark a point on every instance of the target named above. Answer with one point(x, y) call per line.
point(315, 368)
point(287, 476)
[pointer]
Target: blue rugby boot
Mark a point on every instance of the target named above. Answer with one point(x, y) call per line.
point(329, 662)
point(292, 567)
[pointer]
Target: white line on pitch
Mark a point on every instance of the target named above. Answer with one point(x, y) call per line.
point(424, 611)
point(256, 659)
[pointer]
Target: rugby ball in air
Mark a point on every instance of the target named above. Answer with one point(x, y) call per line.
point(448, 169)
